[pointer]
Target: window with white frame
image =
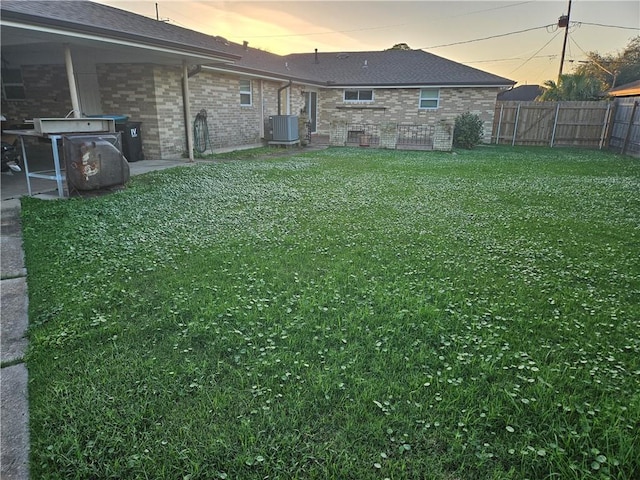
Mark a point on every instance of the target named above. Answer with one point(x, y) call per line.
point(358, 95)
point(245, 92)
point(429, 98)
point(12, 84)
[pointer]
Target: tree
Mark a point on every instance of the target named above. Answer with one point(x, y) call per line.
point(400, 46)
point(624, 66)
point(572, 87)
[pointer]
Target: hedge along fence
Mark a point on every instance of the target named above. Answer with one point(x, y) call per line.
point(578, 124)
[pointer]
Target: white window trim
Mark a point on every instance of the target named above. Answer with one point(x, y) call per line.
point(246, 92)
point(344, 95)
point(437, 99)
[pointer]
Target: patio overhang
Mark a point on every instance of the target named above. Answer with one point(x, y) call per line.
point(36, 40)
point(35, 44)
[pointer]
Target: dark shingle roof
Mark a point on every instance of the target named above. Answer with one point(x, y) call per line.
point(390, 67)
point(94, 18)
point(523, 93)
point(382, 68)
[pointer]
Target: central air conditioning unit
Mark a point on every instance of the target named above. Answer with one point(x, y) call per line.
point(284, 128)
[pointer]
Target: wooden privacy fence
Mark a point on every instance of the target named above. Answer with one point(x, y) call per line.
point(579, 124)
point(625, 128)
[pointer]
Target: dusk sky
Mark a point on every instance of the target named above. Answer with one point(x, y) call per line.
point(528, 57)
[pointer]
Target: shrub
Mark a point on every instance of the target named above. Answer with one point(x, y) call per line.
point(467, 131)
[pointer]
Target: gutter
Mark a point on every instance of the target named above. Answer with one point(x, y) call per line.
point(266, 75)
point(421, 85)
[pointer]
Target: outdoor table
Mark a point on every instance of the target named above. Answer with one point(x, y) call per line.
point(57, 174)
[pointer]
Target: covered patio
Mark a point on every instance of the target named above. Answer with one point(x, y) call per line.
point(68, 69)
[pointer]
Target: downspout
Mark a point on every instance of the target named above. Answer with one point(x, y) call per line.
point(187, 109)
point(261, 108)
point(71, 78)
point(288, 85)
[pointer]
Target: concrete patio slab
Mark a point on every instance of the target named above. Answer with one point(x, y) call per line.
point(14, 423)
point(12, 257)
point(14, 320)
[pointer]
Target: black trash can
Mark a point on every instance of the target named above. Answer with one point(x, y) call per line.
point(131, 140)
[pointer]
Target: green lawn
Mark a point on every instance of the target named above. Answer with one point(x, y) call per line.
point(344, 314)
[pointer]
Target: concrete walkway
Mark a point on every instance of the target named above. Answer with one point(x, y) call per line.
point(14, 413)
point(14, 400)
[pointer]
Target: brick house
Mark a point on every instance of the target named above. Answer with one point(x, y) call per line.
point(127, 64)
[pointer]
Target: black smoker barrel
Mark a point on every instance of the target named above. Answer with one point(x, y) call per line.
point(94, 161)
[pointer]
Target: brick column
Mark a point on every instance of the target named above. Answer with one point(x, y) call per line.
point(338, 133)
point(388, 135)
point(443, 136)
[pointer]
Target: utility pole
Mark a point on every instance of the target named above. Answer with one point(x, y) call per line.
point(563, 21)
point(158, 16)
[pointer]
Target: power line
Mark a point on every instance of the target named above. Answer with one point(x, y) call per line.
point(381, 27)
point(490, 9)
point(325, 33)
point(487, 38)
point(608, 26)
point(581, 49)
point(508, 59)
point(532, 56)
point(389, 26)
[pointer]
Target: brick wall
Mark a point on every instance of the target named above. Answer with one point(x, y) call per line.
point(129, 89)
point(169, 129)
point(47, 92)
point(479, 101)
point(401, 106)
point(230, 124)
point(152, 94)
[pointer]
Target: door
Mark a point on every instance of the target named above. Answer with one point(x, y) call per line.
point(311, 106)
point(89, 93)
point(87, 84)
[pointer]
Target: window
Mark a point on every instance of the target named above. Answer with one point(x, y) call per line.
point(358, 95)
point(245, 92)
point(429, 97)
point(12, 86)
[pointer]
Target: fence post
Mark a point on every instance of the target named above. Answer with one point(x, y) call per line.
point(626, 137)
point(604, 126)
point(515, 126)
point(499, 124)
point(555, 124)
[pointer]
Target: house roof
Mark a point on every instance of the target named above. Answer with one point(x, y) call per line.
point(390, 68)
point(83, 17)
point(626, 90)
point(523, 93)
point(375, 68)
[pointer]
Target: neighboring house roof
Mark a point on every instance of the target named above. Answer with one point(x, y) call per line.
point(523, 93)
point(367, 69)
point(627, 90)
